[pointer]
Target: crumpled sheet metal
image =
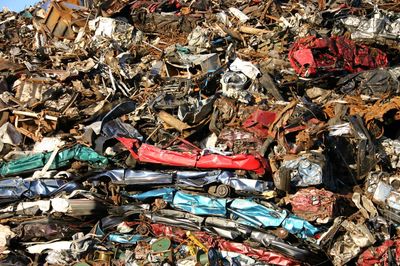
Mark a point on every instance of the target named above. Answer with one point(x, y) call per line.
point(49, 230)
point(258, 254)
point(199, 179)
point(239, 140)
point(227, 229)
point(247, 68)
point(36, 161)
point(164, 23)
point(258, 215)
point(116, 128)
point(117, 30)
point(5, 236)
point(233, 86)
point(199, 205)
point(134, 177)
point(183, 220)
point(234, 257)
point(388, 253)
point(247, 211)
point(310, 56)
point(183, 179)
point(392, 149)
point(207, 62)
point(57, 246)
point(73, 207)
point(384, 190)
point(356, 238)
point(240, 161)
point(304, 171)
point(291, 251)
point(18, 188)
point(125, 238)
point(166, 193)
point(235, 231)
point(379, 25)
point(9, 135)
point(120, 109)
point(150, 154)
point(178, 235)
point(62, 17)
point(259, 122)
point(376, 82)
point(248, 82)
point(196, 204)
point(313, 204)
point(199, 37)
point(196, 112)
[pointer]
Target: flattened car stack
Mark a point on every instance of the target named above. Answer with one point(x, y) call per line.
point(227, 132)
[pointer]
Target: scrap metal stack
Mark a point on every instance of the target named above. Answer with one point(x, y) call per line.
point(201, 132)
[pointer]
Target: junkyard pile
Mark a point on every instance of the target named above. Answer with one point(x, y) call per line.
point(200, 132)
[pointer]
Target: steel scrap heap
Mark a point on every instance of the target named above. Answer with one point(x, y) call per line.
point(224, 132)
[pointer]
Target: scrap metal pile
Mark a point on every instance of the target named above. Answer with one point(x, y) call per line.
point(200, 132)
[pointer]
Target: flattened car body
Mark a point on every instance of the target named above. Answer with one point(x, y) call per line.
point(150, 154)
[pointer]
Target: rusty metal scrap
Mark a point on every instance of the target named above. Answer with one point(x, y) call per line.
point(200, 133)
